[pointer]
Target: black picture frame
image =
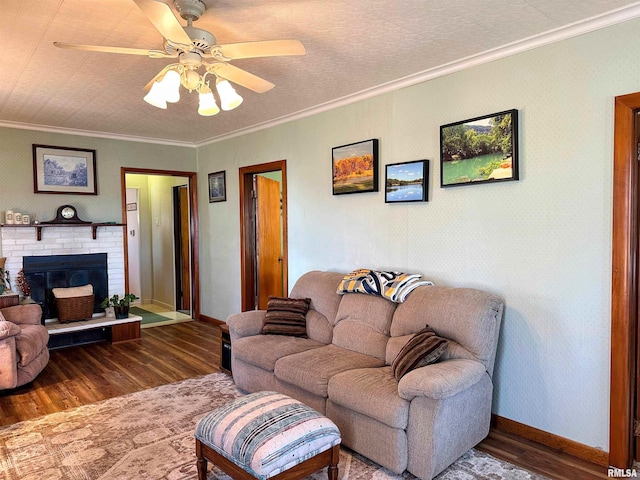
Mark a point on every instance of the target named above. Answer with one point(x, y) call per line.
point(406, 182)
point(355, 167)
point(64, 170)
point(488, 155)
point(217, 187)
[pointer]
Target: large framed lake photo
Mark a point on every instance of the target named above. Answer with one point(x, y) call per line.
point(64, 170)
point(480, 150)
point(355, 167)
point(407, 182)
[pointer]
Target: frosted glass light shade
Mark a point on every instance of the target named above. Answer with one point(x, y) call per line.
point(229, 98)
point(208, 106)
point(155, 96)
point(171, 86)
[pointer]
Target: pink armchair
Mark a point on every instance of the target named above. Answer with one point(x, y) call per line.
point(23, 345)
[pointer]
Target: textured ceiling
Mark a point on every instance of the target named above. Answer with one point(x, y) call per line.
point(352, 46)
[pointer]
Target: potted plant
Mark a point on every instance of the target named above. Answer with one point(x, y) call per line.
point(120, 304)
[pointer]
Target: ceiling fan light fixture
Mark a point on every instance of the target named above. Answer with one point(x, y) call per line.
point(155, 96)
point(208, 106)
point(170, 84)
point(229, 98)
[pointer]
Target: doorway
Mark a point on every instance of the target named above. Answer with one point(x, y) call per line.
point(168, 236)
point(263, 233)
point(624, 283)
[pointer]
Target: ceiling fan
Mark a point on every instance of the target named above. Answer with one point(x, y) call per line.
point(195, 48)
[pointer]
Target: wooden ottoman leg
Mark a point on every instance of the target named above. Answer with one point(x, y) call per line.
point(202, 462)
point(332, 470)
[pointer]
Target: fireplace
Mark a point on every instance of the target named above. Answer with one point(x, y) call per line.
point(43, 273)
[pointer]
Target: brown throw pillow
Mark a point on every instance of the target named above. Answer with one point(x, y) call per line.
point(286, 316)
point(424, 348)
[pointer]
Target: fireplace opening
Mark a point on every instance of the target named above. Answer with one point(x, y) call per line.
point(44, 273)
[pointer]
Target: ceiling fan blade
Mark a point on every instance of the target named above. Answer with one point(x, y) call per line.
point(162, 17)
point(269, 48)
point(124, 50)
point(241, 77)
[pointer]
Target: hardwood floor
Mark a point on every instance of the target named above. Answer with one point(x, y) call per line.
point(81, 375)
point(85, 374)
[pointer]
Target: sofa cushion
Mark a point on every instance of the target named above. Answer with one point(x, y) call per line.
point(363, 323)
point(372, 392)
point(320, 287)
point(286, 316)
point(468, 316)
point(312, 369)
point(31, 341)
point(264, 350)
point(424, 348)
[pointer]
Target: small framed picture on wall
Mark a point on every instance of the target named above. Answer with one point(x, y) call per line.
point(355, 167)
point(217, 187)
point(407, 182)
point(480, 150)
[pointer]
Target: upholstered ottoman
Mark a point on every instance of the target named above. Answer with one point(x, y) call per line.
point(267, 435)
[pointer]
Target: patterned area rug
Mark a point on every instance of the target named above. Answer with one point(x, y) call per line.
point(149, 435)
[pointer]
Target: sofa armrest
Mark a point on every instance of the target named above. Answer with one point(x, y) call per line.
point(441, 380)
point(23, 314)
point(245, 324)
point(8, 329)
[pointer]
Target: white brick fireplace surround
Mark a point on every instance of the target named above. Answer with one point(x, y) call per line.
point(18, 242)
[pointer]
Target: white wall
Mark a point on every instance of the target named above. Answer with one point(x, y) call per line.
point(141, 182)
point(542, 243)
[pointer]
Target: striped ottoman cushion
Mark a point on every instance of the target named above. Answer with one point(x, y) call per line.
point(266, 433)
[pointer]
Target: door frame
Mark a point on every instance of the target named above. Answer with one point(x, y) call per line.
point(192, 181)
point(247, 230)
point(624, 285)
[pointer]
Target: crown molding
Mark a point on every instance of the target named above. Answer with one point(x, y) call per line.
point(565, 32)
point(89, 133)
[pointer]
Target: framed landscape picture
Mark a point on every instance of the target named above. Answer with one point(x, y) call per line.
point(407, 182)
point(64, 170)
point(217, 187)
point(480, 150)
point(355, 167)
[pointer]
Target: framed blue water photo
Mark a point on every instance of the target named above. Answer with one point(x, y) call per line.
point(407, 182)
point(64, 170)
point(480, 150)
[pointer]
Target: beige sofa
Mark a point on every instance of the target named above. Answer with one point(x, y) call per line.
point(23, 345)
point(422, 423)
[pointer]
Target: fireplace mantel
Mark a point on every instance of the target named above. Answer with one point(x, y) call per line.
point(40, 226)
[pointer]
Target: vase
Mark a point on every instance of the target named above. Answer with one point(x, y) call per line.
point(121, 311)
point(26, 300)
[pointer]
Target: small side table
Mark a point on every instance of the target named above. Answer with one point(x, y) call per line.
point(9, 300)
point(225, 349)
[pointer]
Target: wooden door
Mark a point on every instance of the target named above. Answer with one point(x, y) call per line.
point(185, 235)
point(248, 229)
point(268, 240)
point(181, 235)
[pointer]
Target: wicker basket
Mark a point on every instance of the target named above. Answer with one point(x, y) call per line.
point(74, 308)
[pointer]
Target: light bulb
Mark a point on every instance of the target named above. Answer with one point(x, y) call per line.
point(155, 96)
point(229, 98)
point(171, 86)
point(208, 106)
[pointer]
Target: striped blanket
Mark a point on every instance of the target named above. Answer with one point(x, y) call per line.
point(394, 286)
